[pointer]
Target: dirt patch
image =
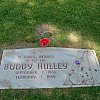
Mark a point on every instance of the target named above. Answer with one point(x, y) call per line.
point(46, 27)
point(74, 37)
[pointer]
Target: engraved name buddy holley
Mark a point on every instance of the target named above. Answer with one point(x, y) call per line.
point(39, 66)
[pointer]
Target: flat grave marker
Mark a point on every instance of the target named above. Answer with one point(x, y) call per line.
point(49, 67)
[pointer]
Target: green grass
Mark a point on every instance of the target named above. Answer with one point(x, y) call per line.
point(19, 20)
point(92, 93)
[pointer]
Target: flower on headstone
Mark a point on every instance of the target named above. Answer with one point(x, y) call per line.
point(44, 42)
point(77, 62)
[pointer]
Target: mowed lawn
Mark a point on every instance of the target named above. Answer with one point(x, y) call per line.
point(73, 23)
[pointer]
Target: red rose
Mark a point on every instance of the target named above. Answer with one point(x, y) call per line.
point(44, 42)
